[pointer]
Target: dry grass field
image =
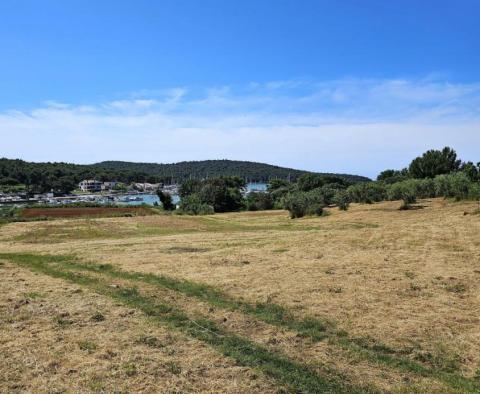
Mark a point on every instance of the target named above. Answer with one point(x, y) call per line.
point(60, 212)
point(370, 300)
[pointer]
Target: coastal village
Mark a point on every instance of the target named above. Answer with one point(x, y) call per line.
point(110, 192)
point(95, 191)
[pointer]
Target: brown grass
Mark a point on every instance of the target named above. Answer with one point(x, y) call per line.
point(407, 279)
point(52, 343)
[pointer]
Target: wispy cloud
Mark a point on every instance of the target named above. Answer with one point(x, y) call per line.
point(350, 125)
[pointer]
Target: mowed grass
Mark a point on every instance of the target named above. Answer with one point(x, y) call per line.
point(294, 376)
point(382, 299)
point(164, 225)
point(72, 339)
point(314, 329)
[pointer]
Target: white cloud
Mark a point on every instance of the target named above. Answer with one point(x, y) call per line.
point(356, 126)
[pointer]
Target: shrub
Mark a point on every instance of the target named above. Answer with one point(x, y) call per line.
point(223, 193)
point(221, 197)
point(397, 191)
point(192, 205)
point(300, 204)
point(9, 213)
point(475, 193)
point(190, 186)
point(461, 185)
point(342, 200)
point(166, 200)
point(442, 186)
point(367, 192)
point(308, 182)
point(315, 209)
point(408, 199)
point(405, 190)
point(394, 192)
point(259, 201)
point(457, 185)
point(425, 188)
point(326, 194)
point(278, 194)
point(317, 200)
point(296, 204)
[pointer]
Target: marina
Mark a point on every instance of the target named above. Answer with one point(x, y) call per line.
point(119, 199)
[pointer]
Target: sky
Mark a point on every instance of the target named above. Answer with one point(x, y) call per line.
point(336, 86)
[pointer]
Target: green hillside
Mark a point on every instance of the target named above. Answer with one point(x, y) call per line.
point(17, 175)
point(251, 171)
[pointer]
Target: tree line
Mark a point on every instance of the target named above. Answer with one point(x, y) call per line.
point(437, 173)
point(205, 169)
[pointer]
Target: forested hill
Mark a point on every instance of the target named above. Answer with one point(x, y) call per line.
point(64, 177)
point(250, 171)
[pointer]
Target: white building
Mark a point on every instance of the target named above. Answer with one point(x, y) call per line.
point(90, 185)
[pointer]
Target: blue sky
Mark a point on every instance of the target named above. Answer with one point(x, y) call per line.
point(352, 86)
